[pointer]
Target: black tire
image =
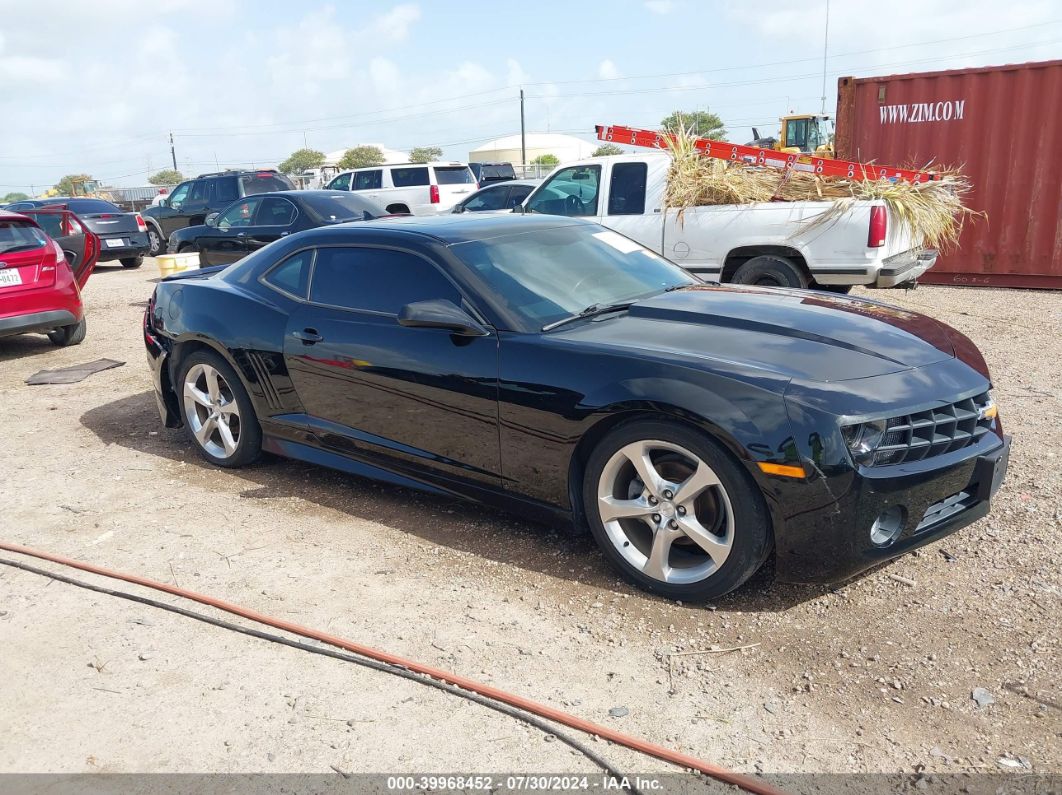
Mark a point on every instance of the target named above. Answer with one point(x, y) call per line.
point(156, 242)
point(132, 262)
point(249, 442)
point(752, 539)
point(73, 334)
point(769, 270)
point(840, 289)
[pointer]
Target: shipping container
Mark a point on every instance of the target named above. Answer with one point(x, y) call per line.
point(1003, 126)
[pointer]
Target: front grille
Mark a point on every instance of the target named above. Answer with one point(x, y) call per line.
point(939, 511)
point(914, 437)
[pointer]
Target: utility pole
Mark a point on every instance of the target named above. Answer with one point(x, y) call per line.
point(173, 154)
point(825, 45)
point(523, 133)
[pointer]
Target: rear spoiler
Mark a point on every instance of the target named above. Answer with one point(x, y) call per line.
point(197, 273)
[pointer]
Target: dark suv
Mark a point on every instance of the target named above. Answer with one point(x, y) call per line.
point(192, 201)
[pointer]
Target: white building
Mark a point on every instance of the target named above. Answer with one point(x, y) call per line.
point(507, 150)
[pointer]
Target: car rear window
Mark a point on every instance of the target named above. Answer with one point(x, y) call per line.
point(497, 172)
point(341, 207)
point(408, 177)
point(264, 182)
point(454, 175)
point(20, 236)
point(91, 206)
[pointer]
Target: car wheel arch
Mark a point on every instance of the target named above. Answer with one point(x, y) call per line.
point(618, 416)
point(739, 256)
point(185, 347)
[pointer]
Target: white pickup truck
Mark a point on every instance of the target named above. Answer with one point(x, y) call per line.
point(769, 243)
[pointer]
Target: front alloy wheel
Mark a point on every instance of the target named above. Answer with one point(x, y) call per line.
point(674, 512)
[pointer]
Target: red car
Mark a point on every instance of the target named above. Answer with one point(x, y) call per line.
point(41, 276)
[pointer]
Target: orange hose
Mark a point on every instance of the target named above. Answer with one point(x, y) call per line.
point(748, 783)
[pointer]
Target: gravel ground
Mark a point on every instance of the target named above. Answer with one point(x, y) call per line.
point(875, 675)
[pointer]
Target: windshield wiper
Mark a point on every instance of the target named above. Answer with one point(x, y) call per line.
point(591, 311)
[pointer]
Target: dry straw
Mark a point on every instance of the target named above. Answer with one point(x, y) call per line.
point(933, 212)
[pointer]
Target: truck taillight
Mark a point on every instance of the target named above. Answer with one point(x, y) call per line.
point(140, 223)
point(879, 227)
point(434, 194)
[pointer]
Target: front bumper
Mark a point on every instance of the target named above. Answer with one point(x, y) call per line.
point(135, 244)
point(905, 268)
point(832, 543)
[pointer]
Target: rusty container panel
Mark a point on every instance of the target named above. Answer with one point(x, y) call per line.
point(1003, 125)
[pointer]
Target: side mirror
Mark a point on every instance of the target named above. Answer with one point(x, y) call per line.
point(459, 208)
point(443, 314)
point(520, 209)
point(212, 219)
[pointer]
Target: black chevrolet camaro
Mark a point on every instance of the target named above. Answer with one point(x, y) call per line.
point(561, 370)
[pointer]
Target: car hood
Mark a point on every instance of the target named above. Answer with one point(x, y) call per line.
point(798, 334)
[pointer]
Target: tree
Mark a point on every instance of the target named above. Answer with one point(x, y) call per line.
point(14, 197)
point(362, 157)
point(425, 154)
point(703, 123)
point(66, 186)
point(167, 176)
point(607, 149)
point(302, 160)
point(546, 160)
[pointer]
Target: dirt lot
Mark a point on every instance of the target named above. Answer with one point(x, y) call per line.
point(874, 675)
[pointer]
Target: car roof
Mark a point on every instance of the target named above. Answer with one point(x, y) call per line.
point(446, 163)
point(461, 228)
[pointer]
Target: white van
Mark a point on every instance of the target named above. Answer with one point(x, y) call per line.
point(415, 188)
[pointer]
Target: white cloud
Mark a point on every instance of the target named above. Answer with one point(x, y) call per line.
point(607, 70)
point(660, 6)
point(395, 24)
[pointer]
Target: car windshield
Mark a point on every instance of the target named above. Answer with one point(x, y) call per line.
point(18, 236)
point(341, 207)
point(91, 206)
point(552, 274)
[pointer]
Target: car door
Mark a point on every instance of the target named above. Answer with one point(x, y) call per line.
point(274, 219)
point(626, 210)
point(227, 242)
point(369, 183)
point(80, 245)
point(415, 399)
point(492, 199)
point(571, 191)
point(171, 215)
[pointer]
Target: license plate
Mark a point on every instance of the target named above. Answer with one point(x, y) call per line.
point(115, 242)
point(9, 277)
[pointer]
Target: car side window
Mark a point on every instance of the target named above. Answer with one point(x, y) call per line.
point(199, 191)
point(408, 177)
point(225, 190)
point(376, 279)
point(571, 191)
point(626, 195)
point(368, 180)
point(180, 193)
point(239, 214)
point(517, 194)
point(293, 274)
point(342, 182)
point(489, 199)
point(274, 211)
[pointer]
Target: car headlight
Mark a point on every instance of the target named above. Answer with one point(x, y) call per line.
point(864, 439)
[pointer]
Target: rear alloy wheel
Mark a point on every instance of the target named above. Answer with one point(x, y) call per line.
point(132, 262)
point(673, 511)
point(218, 414)
point(73, 334)
point(770, 271)
point(156, 245)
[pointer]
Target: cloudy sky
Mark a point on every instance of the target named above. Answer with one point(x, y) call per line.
point(98, 86)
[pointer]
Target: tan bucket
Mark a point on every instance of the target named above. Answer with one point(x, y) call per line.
point(175, 263)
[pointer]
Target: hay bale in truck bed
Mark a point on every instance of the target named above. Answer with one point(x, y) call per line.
point(932, 211)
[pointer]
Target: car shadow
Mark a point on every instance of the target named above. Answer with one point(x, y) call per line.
point(22, 346)
point(480, 530)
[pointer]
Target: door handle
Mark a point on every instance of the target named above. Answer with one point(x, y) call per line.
point(241, 234)
point(308, 336)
